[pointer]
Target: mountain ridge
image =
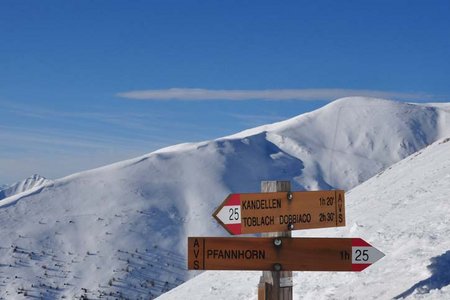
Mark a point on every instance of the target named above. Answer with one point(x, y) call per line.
point(402, 211)
point(22, 186)
point(117, 221)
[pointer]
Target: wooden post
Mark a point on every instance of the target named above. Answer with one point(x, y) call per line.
point(269, 284)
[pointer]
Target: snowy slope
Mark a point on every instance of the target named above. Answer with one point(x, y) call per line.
point(344, 142)
point(122, 228)
point(22, 186)
point(404, 211)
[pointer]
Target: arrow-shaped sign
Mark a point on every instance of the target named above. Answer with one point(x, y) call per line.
point(281, 211)
point(287, 254)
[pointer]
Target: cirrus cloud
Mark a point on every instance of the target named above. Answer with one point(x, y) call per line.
point(196, 94)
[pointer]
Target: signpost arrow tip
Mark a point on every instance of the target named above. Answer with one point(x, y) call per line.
point(364, 254)
point(229, 214)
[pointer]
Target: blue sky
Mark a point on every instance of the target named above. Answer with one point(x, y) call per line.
point(86, 83)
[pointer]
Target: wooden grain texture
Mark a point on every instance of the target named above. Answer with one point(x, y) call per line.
point(294, 254)
point(274, 212)
point(273, 278)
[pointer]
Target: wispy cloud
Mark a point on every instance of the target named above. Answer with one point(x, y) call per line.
point(56, 152)
point(191, 94)
point(55, 143)
point(119, 122)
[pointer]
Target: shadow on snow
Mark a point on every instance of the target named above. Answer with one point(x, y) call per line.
point(440, 270)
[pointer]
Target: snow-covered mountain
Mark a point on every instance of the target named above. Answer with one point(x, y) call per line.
point(121, 230)
point(22, 186)
point(404, 211)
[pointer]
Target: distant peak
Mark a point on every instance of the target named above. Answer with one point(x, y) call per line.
point(33, 181)
point(36, 177)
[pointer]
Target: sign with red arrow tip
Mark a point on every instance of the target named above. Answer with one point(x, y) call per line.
point(281, 211)
point(286, 254)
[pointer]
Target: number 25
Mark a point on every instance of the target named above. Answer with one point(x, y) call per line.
point(363, 253)
point(234, 214)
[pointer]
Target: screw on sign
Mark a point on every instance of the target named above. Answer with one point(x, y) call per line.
point(287, 254)
point(281, 211)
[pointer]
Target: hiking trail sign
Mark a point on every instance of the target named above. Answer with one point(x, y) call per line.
point(281, 254)
point(281, 211)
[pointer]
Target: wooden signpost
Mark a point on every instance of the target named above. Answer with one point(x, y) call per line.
point(281, 211)
point(276, 254)
point(275, 213)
